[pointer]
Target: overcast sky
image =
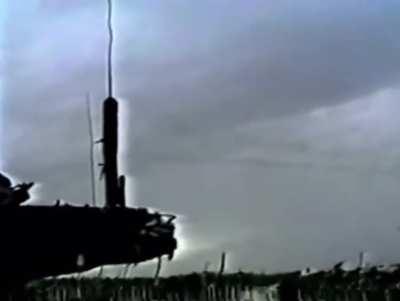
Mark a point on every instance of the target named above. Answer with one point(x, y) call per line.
point(271, 127)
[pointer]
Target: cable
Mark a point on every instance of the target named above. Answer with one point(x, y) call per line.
point(100, 274)
point(126, 270)
point(158, 270)
point(110, 48)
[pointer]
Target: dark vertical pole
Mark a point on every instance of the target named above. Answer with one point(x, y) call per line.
point(222, 266)
point(110, 150)
point(91, 150)
point(121, 191)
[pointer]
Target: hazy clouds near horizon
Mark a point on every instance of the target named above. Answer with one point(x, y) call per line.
point(271, 127)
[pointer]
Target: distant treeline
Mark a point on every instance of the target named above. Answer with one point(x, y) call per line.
point(336, 284)
point(196, 286)
point(193, 280)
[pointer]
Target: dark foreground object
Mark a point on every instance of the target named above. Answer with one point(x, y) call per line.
point(42, 241)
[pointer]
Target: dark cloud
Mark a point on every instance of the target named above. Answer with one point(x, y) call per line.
point(262, 123)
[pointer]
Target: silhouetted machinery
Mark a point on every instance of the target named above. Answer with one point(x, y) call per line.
point(41, 241)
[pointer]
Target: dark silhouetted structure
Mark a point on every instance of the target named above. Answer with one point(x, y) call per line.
point(41, 241)
point(110, 152)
